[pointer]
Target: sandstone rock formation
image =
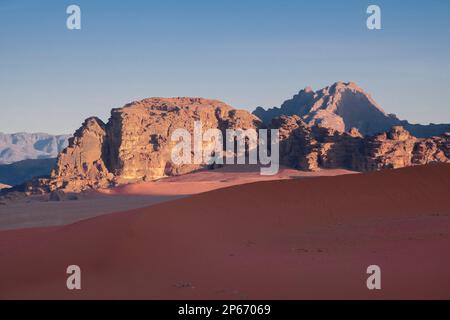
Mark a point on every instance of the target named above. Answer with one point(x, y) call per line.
point(22, 146)
point(393, 149)
point(82, 164)
point(343, 106)
point(310, 148)
point(298, 146)
point(135, 144)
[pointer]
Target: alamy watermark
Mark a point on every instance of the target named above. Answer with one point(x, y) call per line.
point(374, 280)
point(73, 21)
point(239, 146)
point(374, 20)
point(73, 281)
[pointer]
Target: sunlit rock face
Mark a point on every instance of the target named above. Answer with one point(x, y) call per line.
point(343, 106)
point(135, 144)
point(310, 148)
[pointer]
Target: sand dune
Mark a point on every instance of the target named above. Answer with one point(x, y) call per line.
point(291, 239)
point(38, 212)
point(207, 180)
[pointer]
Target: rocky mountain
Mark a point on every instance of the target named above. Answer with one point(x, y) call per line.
point(19, 172)
point(21, 146)
point(343, 106)
point(309, 148)
point(135, 144)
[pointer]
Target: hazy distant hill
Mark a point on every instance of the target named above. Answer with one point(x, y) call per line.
point(21, 146)
point(343, 106)
point(19, 172)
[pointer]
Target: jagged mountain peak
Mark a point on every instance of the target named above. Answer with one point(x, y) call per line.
point(342, 106)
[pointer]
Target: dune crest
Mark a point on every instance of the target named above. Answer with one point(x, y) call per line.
point(343, 106)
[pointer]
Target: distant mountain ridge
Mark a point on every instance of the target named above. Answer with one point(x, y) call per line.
point(343, 106)
point(19, 172)
point(22, 146)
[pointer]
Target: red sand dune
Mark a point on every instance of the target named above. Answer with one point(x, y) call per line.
point(34, 211)
point(290, 239)
point(207, 180)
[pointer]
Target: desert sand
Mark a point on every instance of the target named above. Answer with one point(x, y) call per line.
point(288, 239)
point(39, 212)
point(207, 180)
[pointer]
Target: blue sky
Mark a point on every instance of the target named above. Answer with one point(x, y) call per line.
point(246, 53)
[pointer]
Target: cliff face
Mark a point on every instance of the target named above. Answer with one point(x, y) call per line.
point(310, 148)
point(135, 144)
point(343, 106)
point(298, 144)
point(82, 163)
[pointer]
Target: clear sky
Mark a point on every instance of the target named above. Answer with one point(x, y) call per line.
point(244, 52)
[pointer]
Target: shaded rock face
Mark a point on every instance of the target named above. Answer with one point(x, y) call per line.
point(343, 106)
point(298, 146)
point(310, 148)
point(398, 148)
point(59, 195)
point(435, 149)
point(393, 149)
point(135, 144)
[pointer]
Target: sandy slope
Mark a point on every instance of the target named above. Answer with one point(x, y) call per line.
point(34, 212)
point(207, 180)
point(302, 238)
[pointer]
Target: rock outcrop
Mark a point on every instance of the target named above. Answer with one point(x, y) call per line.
point(82, 163)
point(310, 148)
point(343, 106)
point(298, 145)
point(434, 149)
point(393, 149)
point(135, 144)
